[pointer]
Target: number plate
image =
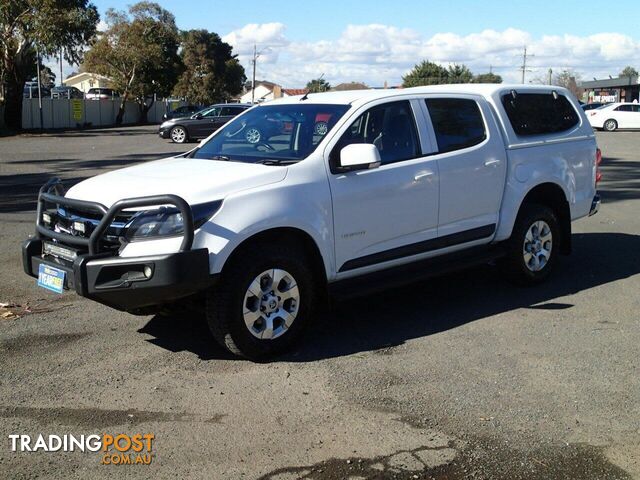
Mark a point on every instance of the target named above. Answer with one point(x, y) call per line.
point(51, 278)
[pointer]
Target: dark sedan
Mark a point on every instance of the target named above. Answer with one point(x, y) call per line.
point(201, 124)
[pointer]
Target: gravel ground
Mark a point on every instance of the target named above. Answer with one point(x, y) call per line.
point(464, 376)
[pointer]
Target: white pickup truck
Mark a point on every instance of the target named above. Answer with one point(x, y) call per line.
point(326, 194)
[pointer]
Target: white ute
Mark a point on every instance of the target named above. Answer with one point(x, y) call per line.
point(335, 193)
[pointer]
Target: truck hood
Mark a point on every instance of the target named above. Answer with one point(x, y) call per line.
point(195, 180)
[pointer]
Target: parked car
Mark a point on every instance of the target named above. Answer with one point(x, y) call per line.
point(101, 94)
point(66, 92)
point(182, 112)
point(404, 184)
point(592, 106)
point(200, 124)
point(30, 90)
point(614, 116)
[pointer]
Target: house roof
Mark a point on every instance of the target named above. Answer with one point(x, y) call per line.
point(294, 91)
point(350, 86)
point(84, 75)
point(611, 82)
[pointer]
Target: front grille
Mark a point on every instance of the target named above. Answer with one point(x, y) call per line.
point(81, 224)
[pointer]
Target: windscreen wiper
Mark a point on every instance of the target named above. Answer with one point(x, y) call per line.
point(276, 161)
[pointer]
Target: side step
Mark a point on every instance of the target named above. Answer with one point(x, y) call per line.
point(413, 272)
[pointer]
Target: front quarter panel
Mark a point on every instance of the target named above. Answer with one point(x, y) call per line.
point(301, 201)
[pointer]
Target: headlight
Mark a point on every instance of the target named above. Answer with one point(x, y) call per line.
point(167, 221)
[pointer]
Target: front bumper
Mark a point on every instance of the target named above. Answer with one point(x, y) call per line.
point(595, 205)
point(120, 282)
point(125, 283)
point(164, 132)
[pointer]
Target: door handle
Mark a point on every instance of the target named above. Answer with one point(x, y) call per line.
point(493, 161)
point(422, 175)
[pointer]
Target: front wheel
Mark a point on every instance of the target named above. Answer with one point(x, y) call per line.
point(533, 246)
point(264, 302)
point(179, 134)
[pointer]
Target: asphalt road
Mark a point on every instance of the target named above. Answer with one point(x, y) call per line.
point(460, 377)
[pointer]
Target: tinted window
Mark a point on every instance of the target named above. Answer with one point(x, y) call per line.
point(390, 127)
point(624, 108)
point(229, 111)
point(457, 123)
point(211, 112)
point(539, 113)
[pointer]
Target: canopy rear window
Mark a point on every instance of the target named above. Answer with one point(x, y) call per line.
point(539, 113)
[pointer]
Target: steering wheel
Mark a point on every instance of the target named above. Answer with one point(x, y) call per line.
point(267, 147)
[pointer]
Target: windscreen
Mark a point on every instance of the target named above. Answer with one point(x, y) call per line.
point(273, 133)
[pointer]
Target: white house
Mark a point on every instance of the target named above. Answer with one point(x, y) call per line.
point(84, 81)
point(265, 91)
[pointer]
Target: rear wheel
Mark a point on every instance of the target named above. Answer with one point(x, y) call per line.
point(610, 125)
point(533, 246)
point(179, 134)
point(264, 302)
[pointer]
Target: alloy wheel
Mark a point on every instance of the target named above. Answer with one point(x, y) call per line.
point(271, 304)
point(537, 246)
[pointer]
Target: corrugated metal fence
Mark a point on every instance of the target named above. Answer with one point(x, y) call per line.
point(79, 113)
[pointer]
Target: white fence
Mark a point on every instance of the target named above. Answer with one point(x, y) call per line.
point(78, 113)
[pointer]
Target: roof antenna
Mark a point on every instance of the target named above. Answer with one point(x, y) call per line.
point(304, 97)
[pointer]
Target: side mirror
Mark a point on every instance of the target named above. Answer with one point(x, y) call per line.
point(198, 116)
point(359, 156)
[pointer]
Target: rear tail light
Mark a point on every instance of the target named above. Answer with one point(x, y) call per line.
point(598, 162)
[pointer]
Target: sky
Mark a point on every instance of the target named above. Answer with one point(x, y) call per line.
point(376, 42)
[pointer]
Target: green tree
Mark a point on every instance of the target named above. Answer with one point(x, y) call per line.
point(629, 71)
point(318, 85)
point(139, 53)
point(211, 73)
point(487, 78)
point(48, 25)
point(47, 77)
point(459, 74)
point(426, 73)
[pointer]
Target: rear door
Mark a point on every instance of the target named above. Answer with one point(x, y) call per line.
point(227, 113)
point(625, 116)
point(472, 166)
point(635, 112)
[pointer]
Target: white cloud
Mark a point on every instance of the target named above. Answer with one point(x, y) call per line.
point(377, 53)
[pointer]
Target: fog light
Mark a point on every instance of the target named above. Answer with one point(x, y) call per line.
point(46, 218)
point(147, 271)
point(79, 227)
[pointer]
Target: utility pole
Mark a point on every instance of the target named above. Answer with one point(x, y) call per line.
point(256, 55)
point(550, 76)
point(61, 67)
point(253, 78)
point(39, 88)
point(524, 63)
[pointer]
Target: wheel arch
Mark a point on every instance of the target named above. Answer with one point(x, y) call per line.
point(289, 235)
point(553, 196)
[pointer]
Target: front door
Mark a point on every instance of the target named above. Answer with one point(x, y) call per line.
point(386, 214)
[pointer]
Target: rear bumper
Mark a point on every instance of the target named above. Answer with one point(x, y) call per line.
point(595, 205)
point(121, 282)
